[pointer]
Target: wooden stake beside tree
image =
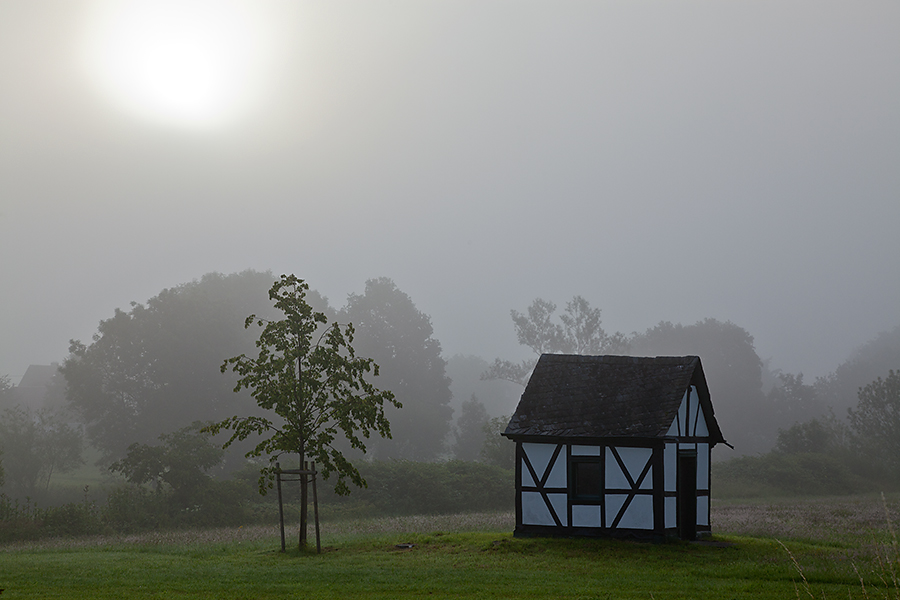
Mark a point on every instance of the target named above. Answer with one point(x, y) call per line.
point(318, 389)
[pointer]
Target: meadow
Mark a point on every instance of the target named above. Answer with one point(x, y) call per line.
point(822, 548)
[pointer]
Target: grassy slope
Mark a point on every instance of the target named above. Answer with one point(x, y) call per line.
point(469, 557)
point(451, 565)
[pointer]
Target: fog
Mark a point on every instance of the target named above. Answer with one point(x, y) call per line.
point(667, 161)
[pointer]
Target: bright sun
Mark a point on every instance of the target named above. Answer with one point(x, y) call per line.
point(191, 63)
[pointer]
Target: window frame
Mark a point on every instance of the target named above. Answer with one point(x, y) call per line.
point(585, 498)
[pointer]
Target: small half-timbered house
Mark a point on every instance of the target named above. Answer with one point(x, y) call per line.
point(615, 446)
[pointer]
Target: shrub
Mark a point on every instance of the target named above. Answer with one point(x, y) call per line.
point(775, 473)
point(405, 487)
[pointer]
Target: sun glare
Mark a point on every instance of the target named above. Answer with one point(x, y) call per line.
point(191, 63)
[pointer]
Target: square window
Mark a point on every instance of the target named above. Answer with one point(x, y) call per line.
point(586, 479)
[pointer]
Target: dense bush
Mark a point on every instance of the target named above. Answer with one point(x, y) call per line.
point(819, 457)
point(395, 488)
point(808, 473)
point(405, 487)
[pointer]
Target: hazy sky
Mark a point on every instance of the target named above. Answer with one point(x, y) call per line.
point(665, 160)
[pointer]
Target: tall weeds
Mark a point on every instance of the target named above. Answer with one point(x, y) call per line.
point(885, 562)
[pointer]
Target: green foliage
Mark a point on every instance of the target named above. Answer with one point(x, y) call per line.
point(19, 520)
point(181, 462)
point(399, 337)
point(790, 400)
point(496, 449)
point(155, 368)
point(825, 456)
point(318, 389)
point(469, 432)
point(35, 445)
point(7, 391)
point(578, 332)
point(6, 388)
point(874, 359)
point(775, 473)
point(401, 487)
point(73, 519)
point(825, 436)
point(184, 492)
point(876, 420)
point(452, 560)
point(127, 509)
point(132, 508)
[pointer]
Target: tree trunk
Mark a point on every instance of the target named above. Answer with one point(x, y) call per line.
point(303, 503)
point(303, 489)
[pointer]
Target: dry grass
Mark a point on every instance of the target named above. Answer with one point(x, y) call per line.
point(821, 519)
point(330, 531)
point(825, 519)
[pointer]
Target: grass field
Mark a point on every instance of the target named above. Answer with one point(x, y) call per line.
point(829, 548)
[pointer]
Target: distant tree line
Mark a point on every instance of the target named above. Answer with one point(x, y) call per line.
point(826, 455)
point(169, 485)
point(754, 404)
point(155, 368)
point(136, 391)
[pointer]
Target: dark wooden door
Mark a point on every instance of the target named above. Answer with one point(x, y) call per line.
point(687, 495)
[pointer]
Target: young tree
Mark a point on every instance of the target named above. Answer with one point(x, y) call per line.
point(307, 373)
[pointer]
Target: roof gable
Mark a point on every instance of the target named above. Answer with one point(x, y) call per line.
point(38, 375)
point(609, 396)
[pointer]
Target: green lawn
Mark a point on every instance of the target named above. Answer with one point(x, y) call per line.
point(441, 564)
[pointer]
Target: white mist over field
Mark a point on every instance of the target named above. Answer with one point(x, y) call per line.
point(667, 161)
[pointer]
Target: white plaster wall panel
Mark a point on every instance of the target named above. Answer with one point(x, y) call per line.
point(558, 475)
point(586, 516)
point(635, 460)
point(613, 503)
point(534, 510)
point(702, 466)
point(702, 430)
point(670, 461)
point(682, 415)
point(560, 503)
point(639, 514)
point(694, 407)
point(615, 479)
point(585, 450)
point(647, 483)
point(527, 479)
point(703, 510)
point(673, 429)
point(671, 511)
point(539, 455)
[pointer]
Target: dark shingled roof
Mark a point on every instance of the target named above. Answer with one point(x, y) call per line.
point(608, 396)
